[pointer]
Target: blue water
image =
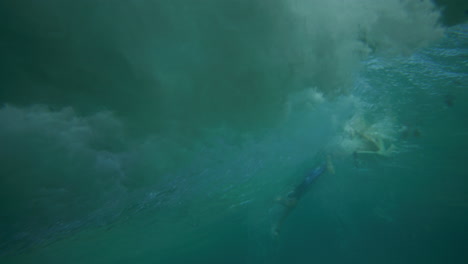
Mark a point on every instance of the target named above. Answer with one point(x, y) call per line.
point(164, 131)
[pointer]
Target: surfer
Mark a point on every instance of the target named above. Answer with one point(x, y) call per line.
point(290, 201)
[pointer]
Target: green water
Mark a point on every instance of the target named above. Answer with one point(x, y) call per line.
point(163, 131)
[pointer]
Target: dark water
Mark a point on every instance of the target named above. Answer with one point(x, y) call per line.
point(162, 131)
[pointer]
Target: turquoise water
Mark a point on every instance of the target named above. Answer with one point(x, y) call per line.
point(163, 131)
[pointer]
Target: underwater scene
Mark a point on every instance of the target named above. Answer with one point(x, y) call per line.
point(222, 131)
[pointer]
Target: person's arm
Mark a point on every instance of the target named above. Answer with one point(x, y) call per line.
point(290, 201)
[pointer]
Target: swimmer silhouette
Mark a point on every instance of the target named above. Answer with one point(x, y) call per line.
point(290, 201)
